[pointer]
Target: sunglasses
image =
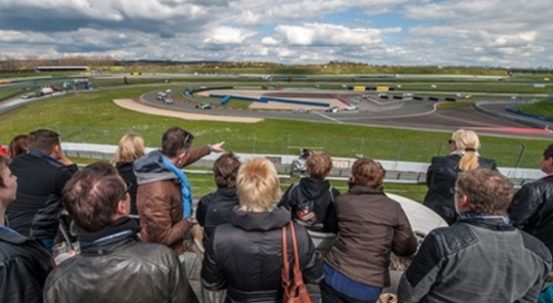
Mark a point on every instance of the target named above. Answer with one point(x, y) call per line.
point(450, 141)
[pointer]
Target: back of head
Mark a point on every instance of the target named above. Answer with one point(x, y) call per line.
point(467, 141)
point(130, 148)
point(175, 141)
point(225, 169)
point(548, 152)
point(488, 192)
point(91, 198)
point(19, 145)
point(44, 140)
point(101, 169)
point(318, 165)
point(257, 185)
point(368, 172)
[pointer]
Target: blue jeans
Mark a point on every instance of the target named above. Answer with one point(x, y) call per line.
point(329, 295)
point(48, 244)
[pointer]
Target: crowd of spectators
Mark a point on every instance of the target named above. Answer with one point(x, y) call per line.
point(134, 221)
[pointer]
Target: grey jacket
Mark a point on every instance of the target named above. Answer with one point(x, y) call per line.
point(476, 261)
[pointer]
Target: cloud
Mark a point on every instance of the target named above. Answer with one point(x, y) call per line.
point(316, 34)
point(445, 32)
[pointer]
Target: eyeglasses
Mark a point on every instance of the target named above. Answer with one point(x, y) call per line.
point(450, 141)
point(187, 137)
point(129, 186)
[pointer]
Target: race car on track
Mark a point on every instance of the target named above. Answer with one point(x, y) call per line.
point(203, 106)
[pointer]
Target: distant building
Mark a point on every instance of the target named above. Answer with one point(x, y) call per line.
point(61, 69)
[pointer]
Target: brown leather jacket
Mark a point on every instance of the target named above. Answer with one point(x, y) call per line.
point(159, 200)
point(371, 225)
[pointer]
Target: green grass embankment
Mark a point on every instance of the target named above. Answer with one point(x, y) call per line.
point(543, 108)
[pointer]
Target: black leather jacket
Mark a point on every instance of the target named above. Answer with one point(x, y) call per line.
point(119, 269)
point(440, 179)
point(245, 257)
point(215, 209)
point(532, 210)
point(476, 260)
point(24, 266)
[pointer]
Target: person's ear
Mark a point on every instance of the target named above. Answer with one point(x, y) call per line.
point(180, 159)
point(463, 201)
point(123, 208)
point(56, 153)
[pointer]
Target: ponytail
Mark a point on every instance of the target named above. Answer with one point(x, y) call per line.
point(469, 160)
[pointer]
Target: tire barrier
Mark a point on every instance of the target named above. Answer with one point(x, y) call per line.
point(418, 98)
point(433, 99)
point(450, 99)
point(398, 97)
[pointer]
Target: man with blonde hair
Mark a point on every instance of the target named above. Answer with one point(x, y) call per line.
point(311, 200)
point(245, 256)
point(482, 257)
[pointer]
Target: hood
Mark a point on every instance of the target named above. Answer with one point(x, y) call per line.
point(313, 188)
point(150, 168)
point(265, 221)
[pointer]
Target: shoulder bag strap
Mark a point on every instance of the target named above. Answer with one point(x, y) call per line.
point(298, 278)
point(285, 274)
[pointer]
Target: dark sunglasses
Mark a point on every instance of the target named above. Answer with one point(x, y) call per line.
point(450, 141)
point(129, 186)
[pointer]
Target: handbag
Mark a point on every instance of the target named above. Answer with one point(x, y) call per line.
point(295, 290)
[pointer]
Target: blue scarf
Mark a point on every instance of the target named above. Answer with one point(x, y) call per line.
point(186, 191)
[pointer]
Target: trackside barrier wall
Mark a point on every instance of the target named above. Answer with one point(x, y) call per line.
point(308, 103)
point(480, 107)
point(519, 112)
point(397, 171)
point(225, 100)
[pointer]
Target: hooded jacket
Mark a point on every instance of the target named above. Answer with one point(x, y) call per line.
point(159, 200)
point(311, 204)
point(245, 256)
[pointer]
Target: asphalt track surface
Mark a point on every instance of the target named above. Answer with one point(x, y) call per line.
point(409, 114)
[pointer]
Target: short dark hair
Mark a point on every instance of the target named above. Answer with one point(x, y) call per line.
point(225, 169)
point(368, 172)
point(4, 162)
point(19, 145)
point(91, 199)
point(548, 152)
point(102, 169)
point(488, 192)
point(44, 140)
point(175, 140)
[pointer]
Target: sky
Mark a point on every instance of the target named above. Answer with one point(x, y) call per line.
point(506, 33)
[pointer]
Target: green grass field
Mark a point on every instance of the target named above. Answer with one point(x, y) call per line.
point(543, 108)
point(92, 117)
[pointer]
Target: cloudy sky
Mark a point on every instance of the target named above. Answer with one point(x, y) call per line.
point(401, 32)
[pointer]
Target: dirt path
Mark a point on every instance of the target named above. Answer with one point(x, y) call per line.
point(130, 104)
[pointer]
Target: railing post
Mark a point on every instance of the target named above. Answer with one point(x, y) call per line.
point(440, 149)
point(522, 152)
point(399, 149)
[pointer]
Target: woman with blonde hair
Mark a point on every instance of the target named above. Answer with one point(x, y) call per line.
point(443, 171)
point(130, 148)
point(245, 256)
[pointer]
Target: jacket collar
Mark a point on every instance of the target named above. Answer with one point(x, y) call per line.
point(497, 224)
point(269, 220)
point(229, 192)
point(150, 168)
point(11, 236)
point(110, 239)
point(365, 190)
